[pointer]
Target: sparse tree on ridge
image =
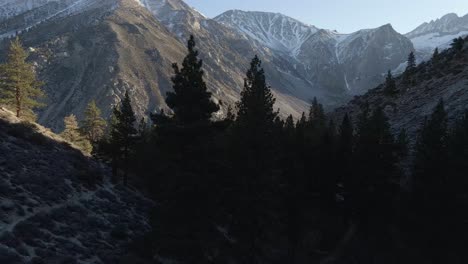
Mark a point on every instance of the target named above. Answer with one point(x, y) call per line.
point(435, 55)
point(72, 134)
point(93, 125)
point(19, 86)
point(411, 63)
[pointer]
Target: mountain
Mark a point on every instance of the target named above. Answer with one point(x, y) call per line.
point(273, 30)
point(97, 49)
point(337, 63)
point(61, 212)
point(445, 79)
point(438, 33)
point(99, 52)
point(367, 54)
point(227, 54)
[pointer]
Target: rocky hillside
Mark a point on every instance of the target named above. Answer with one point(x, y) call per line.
point(445, 78)
point(57, 205)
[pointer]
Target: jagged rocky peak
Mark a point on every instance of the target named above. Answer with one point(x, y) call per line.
point(367, 54)
point(274, 30)
point(438, 33)
point(450, 23)
point(173, 14)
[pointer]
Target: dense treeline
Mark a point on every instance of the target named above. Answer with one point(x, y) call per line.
point(258, 189)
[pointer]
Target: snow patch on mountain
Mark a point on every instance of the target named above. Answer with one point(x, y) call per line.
point(273, 30)
point(431, 41)
point(438, 33)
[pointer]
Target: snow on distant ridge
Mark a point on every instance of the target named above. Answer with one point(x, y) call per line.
point(439, 33)
point(274, 30)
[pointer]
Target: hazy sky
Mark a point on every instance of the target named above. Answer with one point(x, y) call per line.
point(344, 15)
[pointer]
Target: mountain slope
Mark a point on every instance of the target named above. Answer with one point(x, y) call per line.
point(60, 212)
point(367, 55)
point(446, 79)
point(111, 49)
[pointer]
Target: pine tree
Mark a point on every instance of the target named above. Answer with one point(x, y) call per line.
point(435, 55)
point(123, 133)
point(72, 134)
point(253, 146)
point(93, 125)
point(346, 136)
point(432, 193)
point(458, 157)
point(19, 87)
point(390, 86)
point(403, 142)
point(431, 153)
point(411, 64)
point(190, 101)
point(457, 44)
point(255, 109)
point(375, 181)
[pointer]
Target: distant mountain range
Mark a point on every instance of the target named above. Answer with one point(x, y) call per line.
point(97, 49)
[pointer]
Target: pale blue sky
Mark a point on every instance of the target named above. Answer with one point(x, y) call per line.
point(344, 15)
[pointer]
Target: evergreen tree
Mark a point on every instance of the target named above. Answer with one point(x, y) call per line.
point(403, 142)
point(190, 101)
point(93, 125)
point(432, 192)
point(431, 154)
point(253, 148)
point(435, 55)
point(457, 44)
point(411, 64)
point(123, 133)
point(255, 109)
point(376, 178)
point(390, 86)
point(19, 87)
point(72, 134)
point(186, 176)
point(143, 128)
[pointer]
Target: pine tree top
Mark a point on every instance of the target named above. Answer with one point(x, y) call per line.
point(257, 99)
point(190, 101)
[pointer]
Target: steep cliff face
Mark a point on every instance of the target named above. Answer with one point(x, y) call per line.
point(57, 205)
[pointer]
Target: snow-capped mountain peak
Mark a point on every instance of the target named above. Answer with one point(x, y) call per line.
point(274, 30)
point(449, 23)
point(438, 33)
